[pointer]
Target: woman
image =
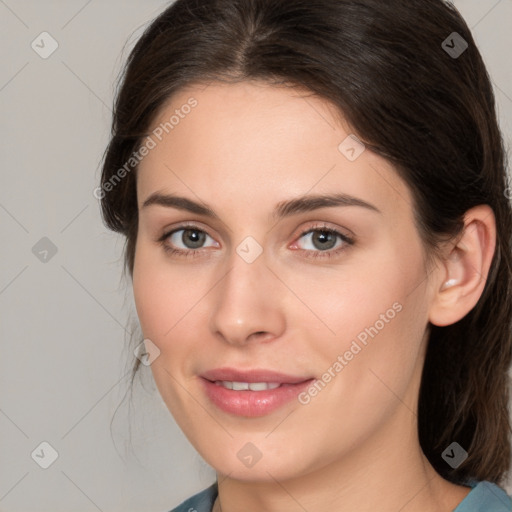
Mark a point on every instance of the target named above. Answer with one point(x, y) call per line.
point(314, 201)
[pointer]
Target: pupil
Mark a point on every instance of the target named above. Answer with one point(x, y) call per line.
point(196, 237)
point(325, 236)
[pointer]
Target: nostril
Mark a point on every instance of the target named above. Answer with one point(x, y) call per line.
point(261, 335)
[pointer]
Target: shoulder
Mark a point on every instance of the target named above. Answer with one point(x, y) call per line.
point(485, 497)
point(200, 502)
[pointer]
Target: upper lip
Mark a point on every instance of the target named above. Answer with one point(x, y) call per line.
point(252, 375)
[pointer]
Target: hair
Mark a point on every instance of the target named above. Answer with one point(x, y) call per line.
point(431, 114)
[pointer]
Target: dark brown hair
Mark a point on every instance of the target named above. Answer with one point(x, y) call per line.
point(388, 69)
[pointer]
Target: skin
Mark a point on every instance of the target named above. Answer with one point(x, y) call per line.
point(244, 148)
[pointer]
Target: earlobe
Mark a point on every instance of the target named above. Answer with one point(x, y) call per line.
point(464, 270)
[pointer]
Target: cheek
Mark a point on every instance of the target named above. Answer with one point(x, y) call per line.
point(342, 302)
point(149, 296)
point(376, 314)
point(164, 299)
point(163, 294)
point(380, 332)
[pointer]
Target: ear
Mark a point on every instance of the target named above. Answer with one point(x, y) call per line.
point(460, 278)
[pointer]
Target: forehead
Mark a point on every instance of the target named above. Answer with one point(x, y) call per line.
point(255, 142)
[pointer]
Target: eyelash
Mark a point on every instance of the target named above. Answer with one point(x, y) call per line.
point(192, 253)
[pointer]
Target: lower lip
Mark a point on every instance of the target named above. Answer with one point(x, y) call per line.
point(252, 403)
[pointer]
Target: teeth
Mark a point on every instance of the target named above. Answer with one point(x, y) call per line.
point(243, 386)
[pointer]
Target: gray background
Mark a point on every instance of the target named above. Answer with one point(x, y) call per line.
point(65, 322)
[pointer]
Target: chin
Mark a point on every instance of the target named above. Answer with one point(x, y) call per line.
point(236, 464)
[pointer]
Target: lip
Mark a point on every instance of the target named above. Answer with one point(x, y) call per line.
point(252, 403)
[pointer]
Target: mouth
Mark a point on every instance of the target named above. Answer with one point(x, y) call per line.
point(243, 386)
point(251, 393)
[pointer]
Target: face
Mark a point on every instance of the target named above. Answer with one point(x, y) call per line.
point(327, 299)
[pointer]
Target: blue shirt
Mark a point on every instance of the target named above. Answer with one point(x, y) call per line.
point(483, 497)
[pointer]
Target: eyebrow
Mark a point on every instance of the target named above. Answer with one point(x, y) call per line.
point(283, 209)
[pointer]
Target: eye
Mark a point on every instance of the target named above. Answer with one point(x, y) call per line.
point(185, 240)
point(321, 241)
point(324, 242)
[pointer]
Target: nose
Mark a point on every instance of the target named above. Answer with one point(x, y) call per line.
point(248, 303)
